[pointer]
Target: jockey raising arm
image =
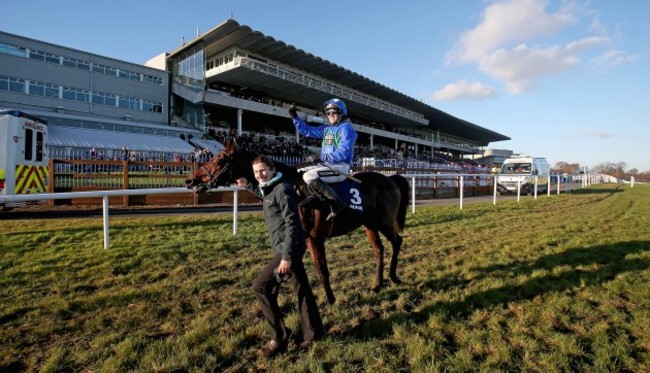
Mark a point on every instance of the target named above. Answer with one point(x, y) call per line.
point(337, 151)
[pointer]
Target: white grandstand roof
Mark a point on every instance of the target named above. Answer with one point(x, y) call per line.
point(231, 33)
point(212, 145)
point(86, 138)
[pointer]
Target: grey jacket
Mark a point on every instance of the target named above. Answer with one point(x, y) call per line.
point(281, 214)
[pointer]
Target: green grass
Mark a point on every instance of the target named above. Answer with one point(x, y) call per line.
point(556, 284)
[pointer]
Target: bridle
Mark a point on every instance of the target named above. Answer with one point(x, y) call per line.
point(215, 177)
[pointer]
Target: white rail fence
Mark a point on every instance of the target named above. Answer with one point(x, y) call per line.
point(587, 180)
point(105, 194)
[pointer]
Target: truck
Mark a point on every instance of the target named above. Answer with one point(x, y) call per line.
point(521, 171)
point(24, 158)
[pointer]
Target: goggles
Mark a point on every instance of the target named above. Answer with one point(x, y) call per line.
point(333, 112)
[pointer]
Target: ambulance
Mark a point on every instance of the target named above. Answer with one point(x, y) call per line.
point(23, 154)
point(521, 172)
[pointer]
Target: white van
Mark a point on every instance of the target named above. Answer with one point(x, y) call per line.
point(23, 154)
point(522, 171)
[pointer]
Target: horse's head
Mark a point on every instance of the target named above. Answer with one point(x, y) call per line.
point(218, 171)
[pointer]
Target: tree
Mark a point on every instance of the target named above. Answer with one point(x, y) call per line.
point(609, 168)
point(567, 168)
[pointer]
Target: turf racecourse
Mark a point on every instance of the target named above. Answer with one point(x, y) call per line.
point(560, 283)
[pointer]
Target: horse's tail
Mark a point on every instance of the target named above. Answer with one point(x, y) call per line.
point(403, 186)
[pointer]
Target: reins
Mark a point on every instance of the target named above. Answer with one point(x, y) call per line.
point(216, 176)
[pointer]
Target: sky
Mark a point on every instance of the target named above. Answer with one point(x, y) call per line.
point(564, 79)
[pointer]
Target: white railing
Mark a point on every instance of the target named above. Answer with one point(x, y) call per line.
point(116, 193)
point(105, 194)
point(461, 184)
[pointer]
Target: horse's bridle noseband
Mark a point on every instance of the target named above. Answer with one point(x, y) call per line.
point(216, 176)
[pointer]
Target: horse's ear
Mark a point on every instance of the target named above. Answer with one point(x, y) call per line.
point(230, 146)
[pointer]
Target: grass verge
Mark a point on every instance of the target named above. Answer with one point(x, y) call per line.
point(554, 284)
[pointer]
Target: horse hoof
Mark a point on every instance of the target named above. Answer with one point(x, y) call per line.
point(375, 289)
point(396, 280)
point(331, 300)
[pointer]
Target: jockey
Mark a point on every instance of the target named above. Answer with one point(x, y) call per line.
point(337, 152)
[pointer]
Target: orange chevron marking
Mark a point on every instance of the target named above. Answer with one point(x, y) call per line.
point(31, 179)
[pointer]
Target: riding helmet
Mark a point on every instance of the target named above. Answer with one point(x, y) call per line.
point(335, 103)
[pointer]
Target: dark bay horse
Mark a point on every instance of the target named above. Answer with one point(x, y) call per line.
point(384, 203)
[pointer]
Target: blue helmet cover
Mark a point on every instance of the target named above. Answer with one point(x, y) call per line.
point(338, 103)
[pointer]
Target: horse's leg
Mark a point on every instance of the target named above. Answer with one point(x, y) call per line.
point(317, 250)
point(396, 242)
point(378, 248)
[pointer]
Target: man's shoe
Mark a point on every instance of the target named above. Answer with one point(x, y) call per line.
point(272, 348)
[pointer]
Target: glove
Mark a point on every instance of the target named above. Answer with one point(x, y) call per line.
point(293, 112)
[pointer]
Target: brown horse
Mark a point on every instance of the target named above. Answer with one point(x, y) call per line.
point(382, 208)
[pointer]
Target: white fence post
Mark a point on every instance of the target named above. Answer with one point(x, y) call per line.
point(518, 190)
point(105, 218)
point(536, 178)
point(413, 196)
point(462, 189)
point(235, 204)
point(494, 198)
point(558, 184)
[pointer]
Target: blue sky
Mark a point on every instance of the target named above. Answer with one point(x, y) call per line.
point(568, 80)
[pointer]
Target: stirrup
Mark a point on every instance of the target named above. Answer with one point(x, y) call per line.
point(335, 211)
point(306, 201)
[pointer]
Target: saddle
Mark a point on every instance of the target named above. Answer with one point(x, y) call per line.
point(348, 190)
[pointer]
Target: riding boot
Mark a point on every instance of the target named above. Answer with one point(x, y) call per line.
point(336, 203)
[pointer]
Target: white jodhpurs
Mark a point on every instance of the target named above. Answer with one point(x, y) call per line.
point(325, 172)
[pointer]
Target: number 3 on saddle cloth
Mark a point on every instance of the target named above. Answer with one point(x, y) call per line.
point(348, 190)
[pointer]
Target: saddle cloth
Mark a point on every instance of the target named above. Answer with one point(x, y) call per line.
point(348, 190)
point(350, 193)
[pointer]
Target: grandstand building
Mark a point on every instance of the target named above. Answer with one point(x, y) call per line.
point(229, 79)
point(89, 101)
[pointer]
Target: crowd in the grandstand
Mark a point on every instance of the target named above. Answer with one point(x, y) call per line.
point(283, 148)
point(276, 145)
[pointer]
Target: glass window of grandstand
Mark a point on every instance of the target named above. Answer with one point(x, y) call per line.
point(151, 106)
point(189, 68)
point(105, 69)
point(36, 89)
point(4, 83)
point(82, 96)
point(152, 79)
point(101, 98)
point(70, 62)
point(29, 141)
point(52, 58)
point(16, 85)
point(51, 90)
point(129, 103)
point(12, 50)
point(128, 75)
point(37, 55)
point(75, 94)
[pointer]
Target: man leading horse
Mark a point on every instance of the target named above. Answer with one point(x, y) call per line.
point(337, 152)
